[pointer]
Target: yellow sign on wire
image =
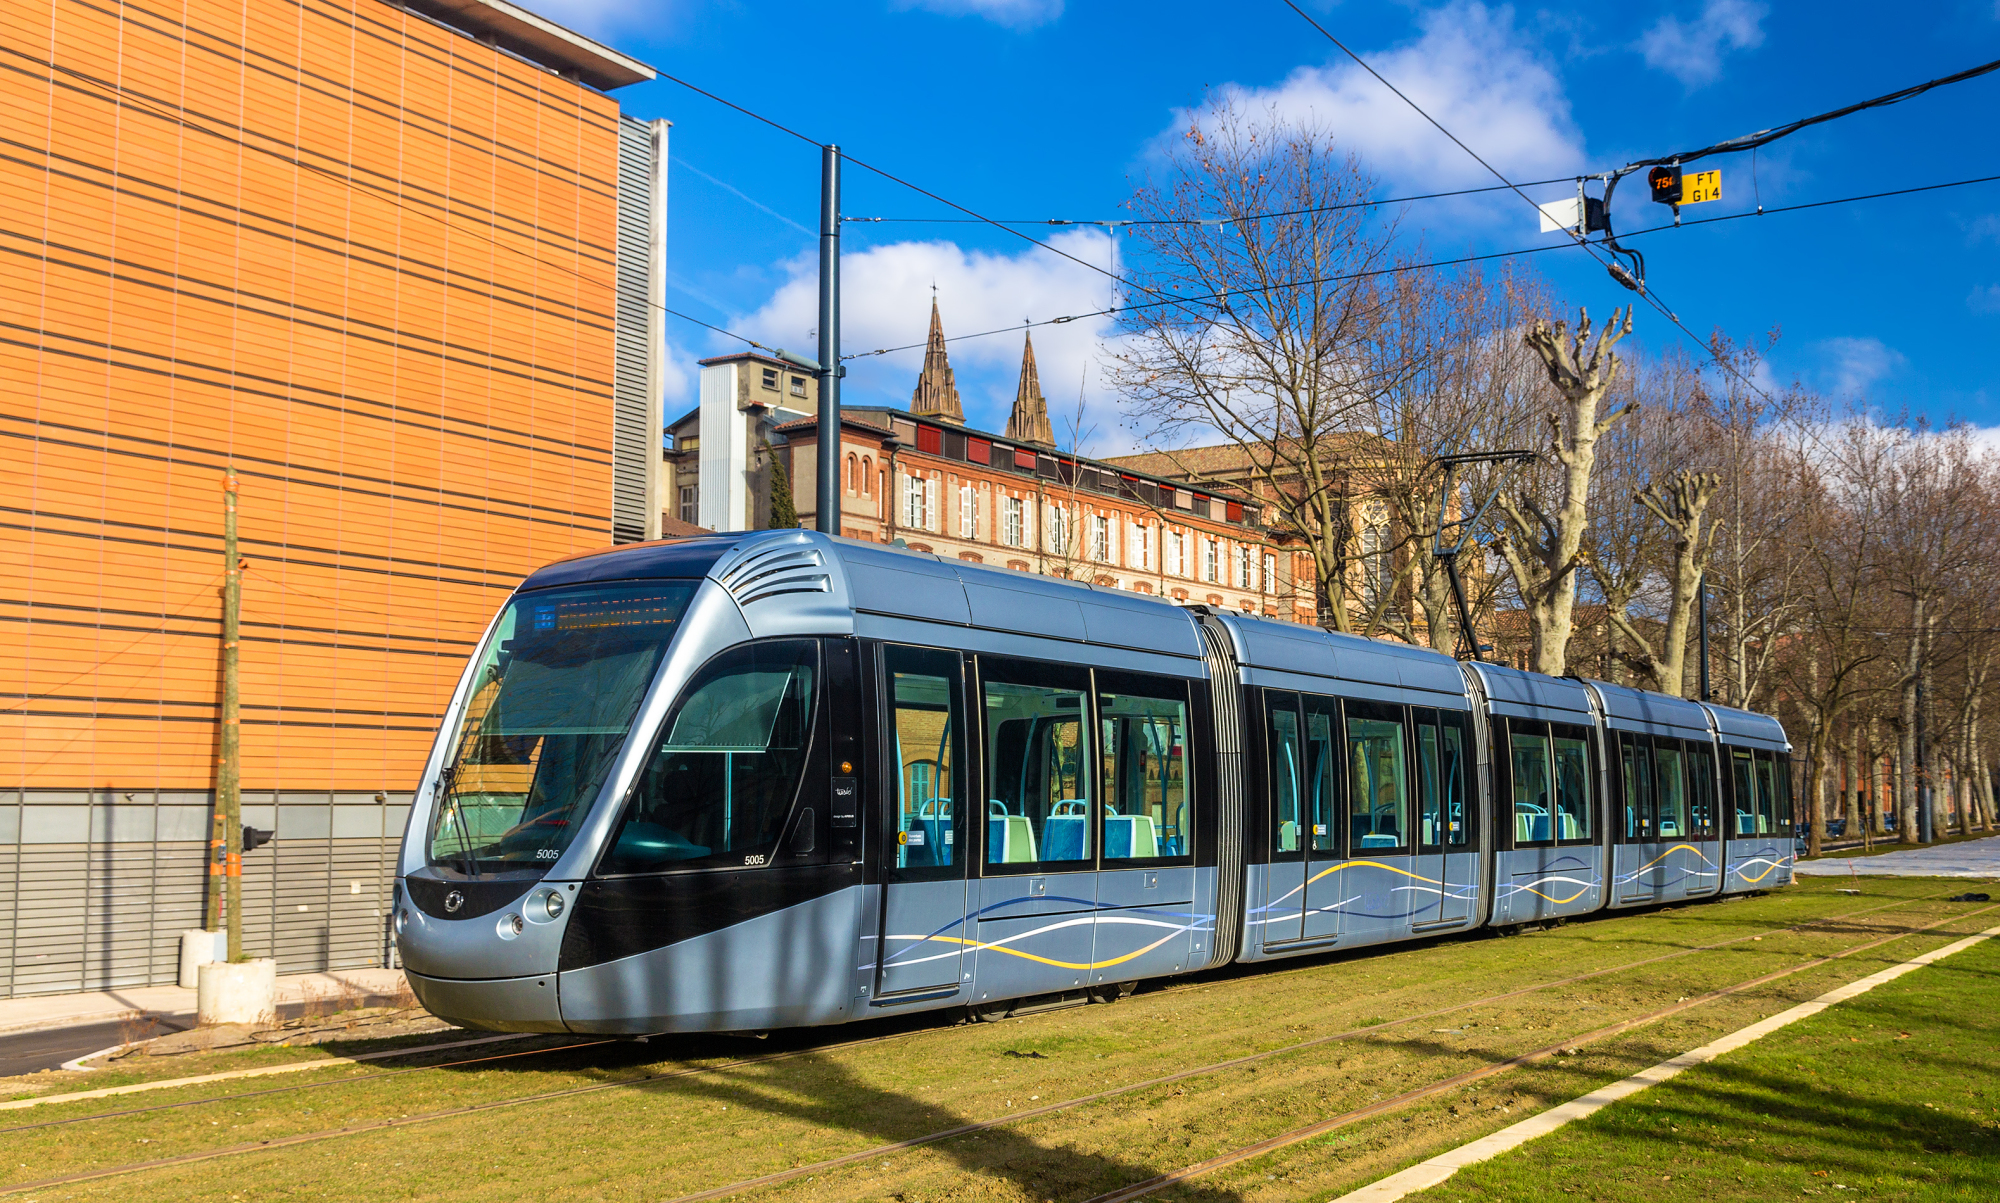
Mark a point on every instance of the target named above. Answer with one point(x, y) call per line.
point(1701, 186)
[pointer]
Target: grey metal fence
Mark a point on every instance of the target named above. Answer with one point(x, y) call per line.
point(96, 887)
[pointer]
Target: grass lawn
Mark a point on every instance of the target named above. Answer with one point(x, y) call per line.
point(1892, 1096)
point(731, 1119)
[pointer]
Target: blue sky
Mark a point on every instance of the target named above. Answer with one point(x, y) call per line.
point(1048, 108)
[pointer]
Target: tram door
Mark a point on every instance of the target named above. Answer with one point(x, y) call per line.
point(1320, 825)
point(1284, 772)
point(1446, 866)
point(923, 936)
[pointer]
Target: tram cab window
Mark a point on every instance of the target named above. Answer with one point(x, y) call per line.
point(1670, 790)
point(1442, 821)
point(721, 782)
point(927, 734)
point(554, 693)
point(1143, 751)
point(1576, 809)
point(1039, 787)
point(1635, 757)
point(1287, 773)
point(1743, 794)
point(1378, 796)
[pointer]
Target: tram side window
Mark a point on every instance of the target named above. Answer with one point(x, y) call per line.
point(1743, 793)
point(1430, 781)
point(1143, 730)
point(1378, 796)
point(1322, 782)
point(1701, 791)
point(1575, 812)
point(928, 731)
point(1037, 764)
point(722, 779)
point(1774, 796)
point(1635, 756)
point(1287, 772)
point(1671, 792)
point(1455, 771)
point(1533, 785)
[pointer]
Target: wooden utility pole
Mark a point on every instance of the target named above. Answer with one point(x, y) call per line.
point(228, 775)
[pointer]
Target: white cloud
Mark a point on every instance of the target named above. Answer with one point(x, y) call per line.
point(1470, 68)
point(1985, 299)
point(1014, 14)
point(886, 302)
point(1693, 51)
point(1984, 229)
point(1854, 365)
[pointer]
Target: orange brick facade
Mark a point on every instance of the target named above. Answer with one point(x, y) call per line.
point(368, 260)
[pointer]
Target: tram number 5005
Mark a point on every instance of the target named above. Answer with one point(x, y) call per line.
point(547, 853)
point(756, 859)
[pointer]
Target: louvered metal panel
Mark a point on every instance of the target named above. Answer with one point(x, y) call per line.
point(633, 445)
point(95, 895)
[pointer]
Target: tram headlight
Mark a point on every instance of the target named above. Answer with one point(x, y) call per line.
point(510, 925)
point(402, 920)
point(552, 904)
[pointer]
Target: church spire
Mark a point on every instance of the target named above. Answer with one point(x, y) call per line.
point(936, 395)
point(1029, 423)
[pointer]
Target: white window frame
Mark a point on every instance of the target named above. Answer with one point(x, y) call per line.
point(968, 511)
point(1100, 538)
point(1014, 511)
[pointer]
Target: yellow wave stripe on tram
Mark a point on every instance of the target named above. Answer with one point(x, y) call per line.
point(1029, 956)
point(1349, 864)
point(1769, 869)
point(1558, 901)
point(1669, 852)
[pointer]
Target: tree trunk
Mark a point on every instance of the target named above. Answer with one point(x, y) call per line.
point(1543, 550)
point(1850, 786)
point(1878, 780)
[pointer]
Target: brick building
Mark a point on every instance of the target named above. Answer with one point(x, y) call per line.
point(1017, 500)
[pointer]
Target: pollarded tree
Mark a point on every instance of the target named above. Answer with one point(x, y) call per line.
point(1546, 518)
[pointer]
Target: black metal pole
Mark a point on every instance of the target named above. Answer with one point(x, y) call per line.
point(1701, 617)
point(1464, 610)
point(826, 508)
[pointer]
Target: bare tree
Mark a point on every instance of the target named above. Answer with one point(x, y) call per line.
point(1265, 225)
point(1543, 540)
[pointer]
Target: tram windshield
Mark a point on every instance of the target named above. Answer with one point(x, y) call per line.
point(553, 695)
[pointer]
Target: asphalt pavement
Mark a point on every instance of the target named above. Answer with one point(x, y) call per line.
point(1972, 858)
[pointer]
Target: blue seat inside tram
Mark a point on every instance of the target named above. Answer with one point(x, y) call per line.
point(1066, 832)
point(1531, 823)
point(1127, 836)
point(1010, 838)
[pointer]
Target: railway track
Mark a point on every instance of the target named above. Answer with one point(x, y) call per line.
point(562, 1048)
point(642, 1081)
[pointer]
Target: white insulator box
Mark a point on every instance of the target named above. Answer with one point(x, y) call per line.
point(245, 992)
point(198, 948)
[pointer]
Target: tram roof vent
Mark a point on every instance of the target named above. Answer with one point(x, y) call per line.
point(771, 572)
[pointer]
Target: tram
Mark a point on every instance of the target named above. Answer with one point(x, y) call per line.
point(777, 779)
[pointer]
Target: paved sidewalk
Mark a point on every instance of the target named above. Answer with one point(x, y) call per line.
point(43, 1011)
point(1973, 858)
